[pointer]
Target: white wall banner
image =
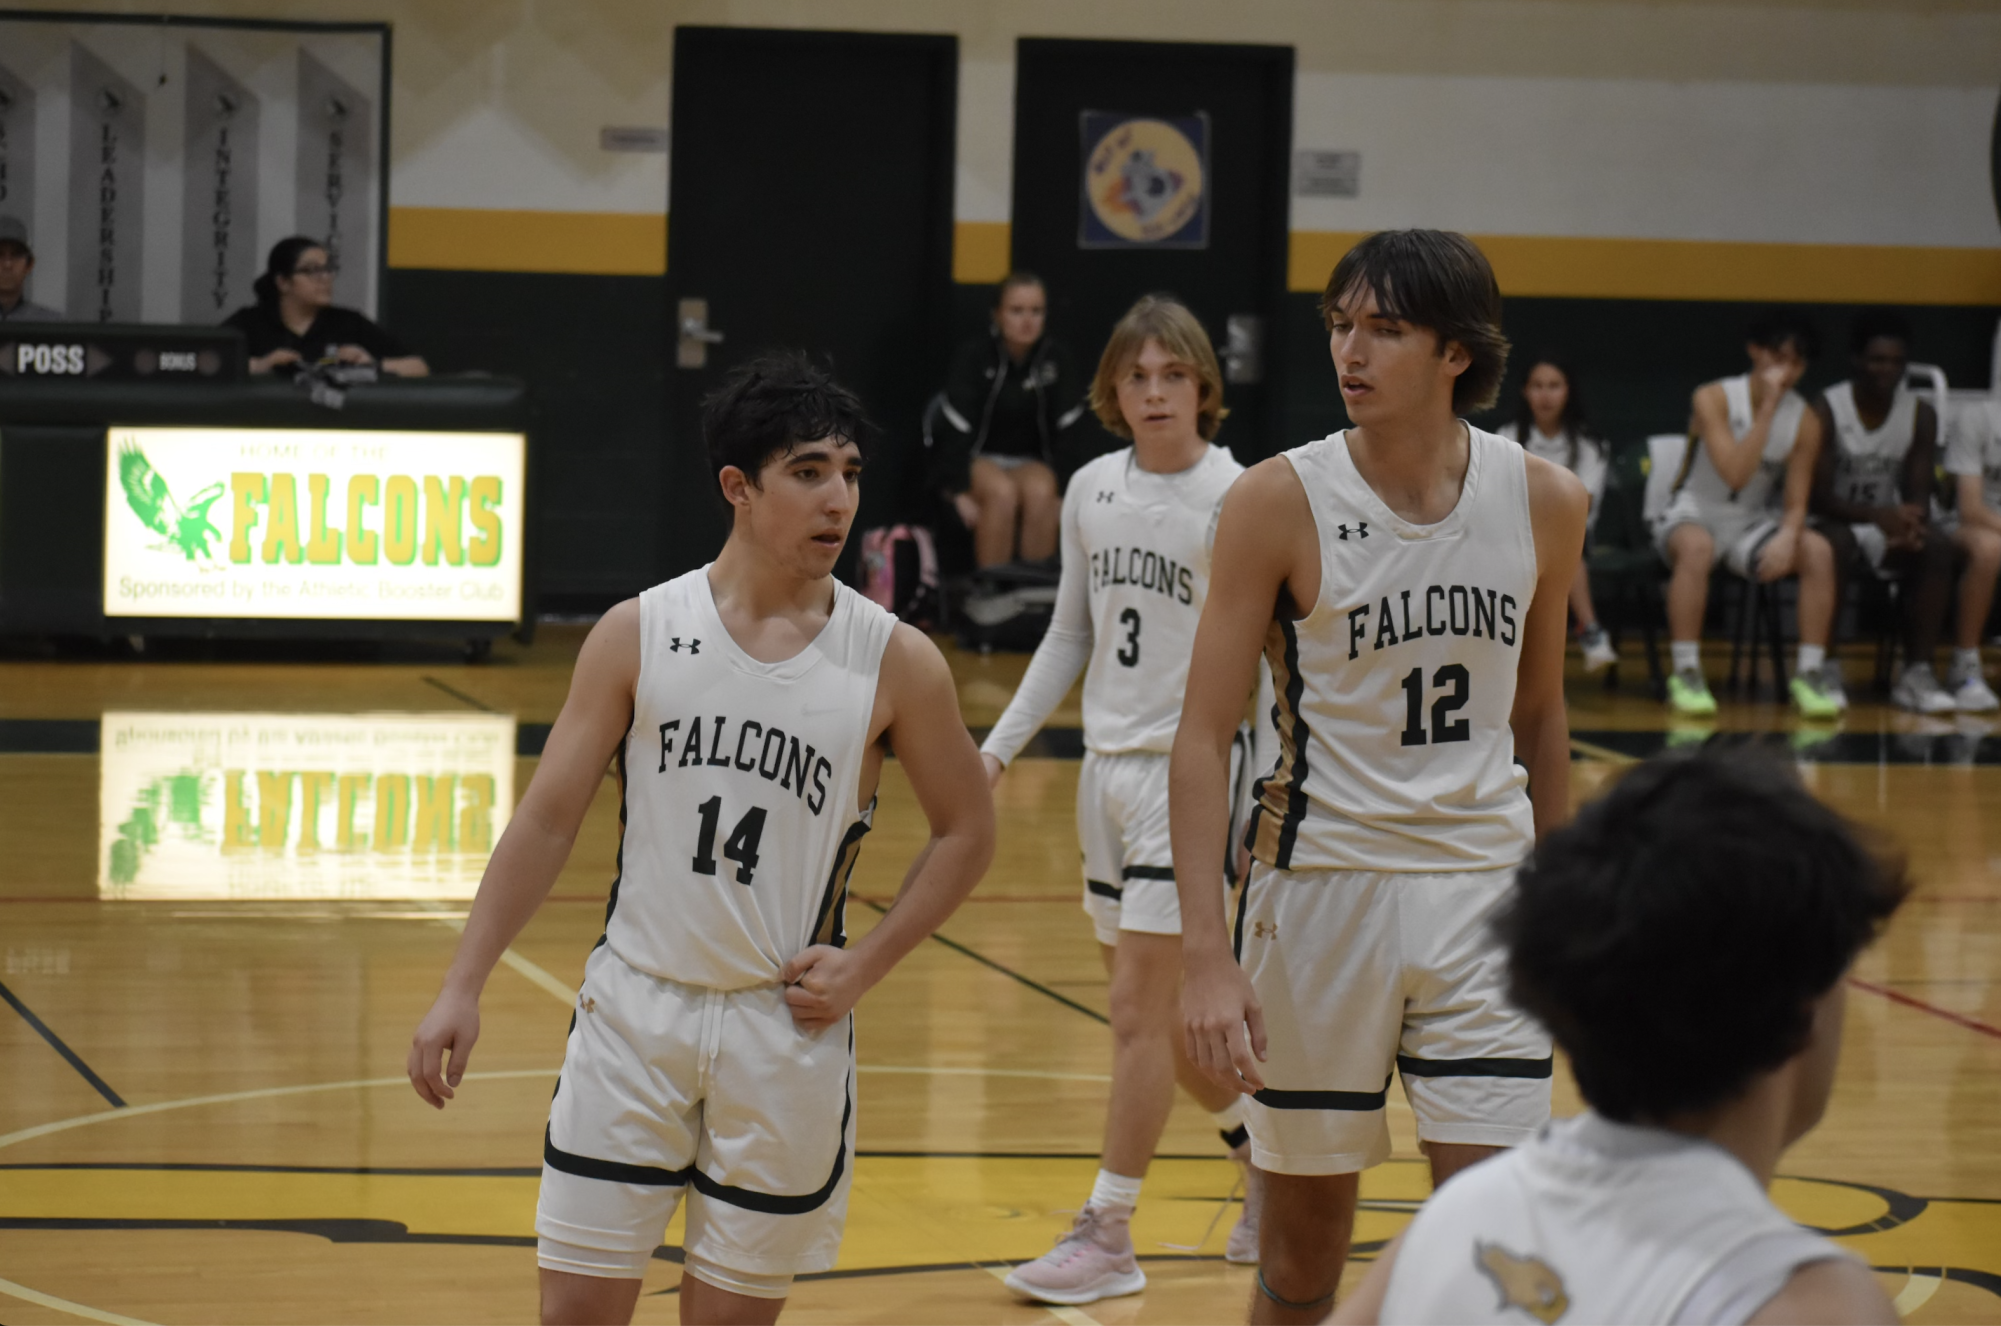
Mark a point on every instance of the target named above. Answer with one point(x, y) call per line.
point(313, 524)
point(300, 806)
point(155, 161)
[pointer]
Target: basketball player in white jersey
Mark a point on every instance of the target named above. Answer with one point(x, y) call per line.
point(747, 706)
point(1973, 459)
point(1136, 528)
point(1741, 498)
point(1651, 1207)
point(1872, 500)
point(1408, 581)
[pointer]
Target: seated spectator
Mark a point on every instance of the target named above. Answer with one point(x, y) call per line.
point(1872, 496)
point(1686, 941)
point(17, 260)
point(295, 324)
point(1549, 422)
point(1011, 405)
point(1741, 498)
point(1973, 459)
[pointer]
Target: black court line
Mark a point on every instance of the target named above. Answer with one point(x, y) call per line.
point(56, 1043)
point(507, 1171)
point(459, 695)
point(1004, 970)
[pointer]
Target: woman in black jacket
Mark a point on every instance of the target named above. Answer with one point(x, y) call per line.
point(1010, 408)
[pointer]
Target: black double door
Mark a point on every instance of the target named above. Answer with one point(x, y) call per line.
point(810, 209)
point(1243, 95)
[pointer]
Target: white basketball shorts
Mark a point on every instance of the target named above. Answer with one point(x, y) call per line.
point(1122, 826)
point(670, 1089)
point(1739, 534)
point(1362, 974)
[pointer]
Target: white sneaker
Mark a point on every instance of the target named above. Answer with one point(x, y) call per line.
point(1972, 695)
point(1093, 1260)
point(1918, 691)
point(1598, 651)
point(1832, 684)
point(1242, 1249)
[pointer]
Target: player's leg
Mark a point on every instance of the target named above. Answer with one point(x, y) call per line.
point(707, 1304)
point(993, 489)
point(1690, 551)
point(1924, 580)
point(1309, 1221)
point(1981, 549)
point(1041, 509)
point(571, 1299)
point(1598, 650)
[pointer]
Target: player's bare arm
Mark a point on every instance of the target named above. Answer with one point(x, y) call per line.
point(1558, 506)
point(1364, 1307)
point(916, 715)
point(1265, 547)
point(1737, 458)
point(537, 842)
point(1834, 1292)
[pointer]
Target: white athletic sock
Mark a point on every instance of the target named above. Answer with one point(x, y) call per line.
point(1115, 1192)
point(1687, 654)
point(1811, 657)
point(1966, 662)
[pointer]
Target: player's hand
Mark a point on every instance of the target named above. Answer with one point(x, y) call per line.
point(1223, 1023)
point(994, 769)
point(1775, 560)
point(968, 509)
point(1906, 527)
point(276, 359)
point(1781, 376)
point(822, 985)
point(353, 354)
point(451, 1027)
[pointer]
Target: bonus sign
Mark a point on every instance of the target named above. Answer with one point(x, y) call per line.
point(293, 523)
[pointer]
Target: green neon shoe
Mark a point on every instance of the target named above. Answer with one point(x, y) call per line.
point(1811, 697)
point(1689, 694)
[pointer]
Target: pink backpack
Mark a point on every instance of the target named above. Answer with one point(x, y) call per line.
point(899, 570)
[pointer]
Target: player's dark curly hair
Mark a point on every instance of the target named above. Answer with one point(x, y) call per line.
point(1873, 324)
point(1676, 935)
point(765, 408)
point(1772, 328)
point(1439, 280)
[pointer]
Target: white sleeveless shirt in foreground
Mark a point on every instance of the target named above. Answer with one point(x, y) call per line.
point(740, 782)
point(1595, 1221)
point(1869, 462)
point(1699, 480)
point(1395, 689)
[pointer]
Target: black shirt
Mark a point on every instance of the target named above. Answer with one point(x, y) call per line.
point(264, 331)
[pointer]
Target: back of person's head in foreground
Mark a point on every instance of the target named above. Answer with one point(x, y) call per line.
point(1688, 933)
point(786, 444)
point(1436, 282)
point(1181, 351)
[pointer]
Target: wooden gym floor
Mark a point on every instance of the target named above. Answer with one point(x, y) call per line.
point(204, 1116)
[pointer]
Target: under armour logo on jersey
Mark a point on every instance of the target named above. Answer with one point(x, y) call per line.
point(1264, 929)
point(1107, 497)
point(674, 646)
point(588, 1004)
point(1361, 530)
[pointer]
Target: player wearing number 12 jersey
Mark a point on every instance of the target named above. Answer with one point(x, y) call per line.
point(747, 706)
point(1407, 579)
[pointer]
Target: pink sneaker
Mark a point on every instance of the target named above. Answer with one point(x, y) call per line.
point(1242, 1249)
point(1093, 1261)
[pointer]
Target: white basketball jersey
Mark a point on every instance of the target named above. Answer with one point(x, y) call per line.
point(740, 781)
point(1869, 463)
point(1593, 1221)
point(1396, 687)
point(1590, 466)
point(1699, 479)
point(1975, 448)
point(1147, 537)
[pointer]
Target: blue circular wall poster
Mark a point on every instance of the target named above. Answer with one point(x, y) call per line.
point(1145, 181)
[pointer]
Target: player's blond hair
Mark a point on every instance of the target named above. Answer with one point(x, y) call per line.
point(1167, 320)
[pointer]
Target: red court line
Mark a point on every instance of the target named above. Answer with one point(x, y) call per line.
point(1899, 997)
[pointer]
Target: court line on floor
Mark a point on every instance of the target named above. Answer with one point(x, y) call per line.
point(564, 994)
point(1068, 1316)
point(41, 1300)
point(1606, 754)
point(1916, 1293)
point(458, 695)
point(1911, 1001)
point(56, 1043)
point(1004, 970)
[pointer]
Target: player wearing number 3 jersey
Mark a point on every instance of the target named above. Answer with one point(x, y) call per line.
point(746, 707)
point(1407, 581)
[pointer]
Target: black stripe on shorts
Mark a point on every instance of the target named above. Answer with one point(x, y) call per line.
point(1529, 1068)
point(1104, 890)
point(1360, 1102)
point(1148, 872)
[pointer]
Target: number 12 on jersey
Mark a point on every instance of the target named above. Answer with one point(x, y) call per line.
point(740, 846)
point(1443, 726)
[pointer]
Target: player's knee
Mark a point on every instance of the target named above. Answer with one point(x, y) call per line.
point(1816, 556)
point(1691, 550)
point(1983, 548)
point(750, 1284)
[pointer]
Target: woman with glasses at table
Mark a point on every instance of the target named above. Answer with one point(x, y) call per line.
point(295, 324)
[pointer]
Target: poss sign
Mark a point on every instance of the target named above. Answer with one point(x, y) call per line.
point(294, 523)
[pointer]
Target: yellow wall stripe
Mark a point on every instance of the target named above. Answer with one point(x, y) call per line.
point(981, 252)
point(1702, 269)
point(477, 240)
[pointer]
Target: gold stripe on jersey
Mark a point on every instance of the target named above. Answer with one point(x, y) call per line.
point(832, 926)
point(1281, 795)
point(1687, 461)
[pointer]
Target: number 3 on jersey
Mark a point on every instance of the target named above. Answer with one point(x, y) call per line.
point(1128, 654)
point(1443, 728)
point(740, 846)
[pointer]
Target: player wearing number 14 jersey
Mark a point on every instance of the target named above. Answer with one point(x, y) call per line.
point(1407, 579)
point(747, 706)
